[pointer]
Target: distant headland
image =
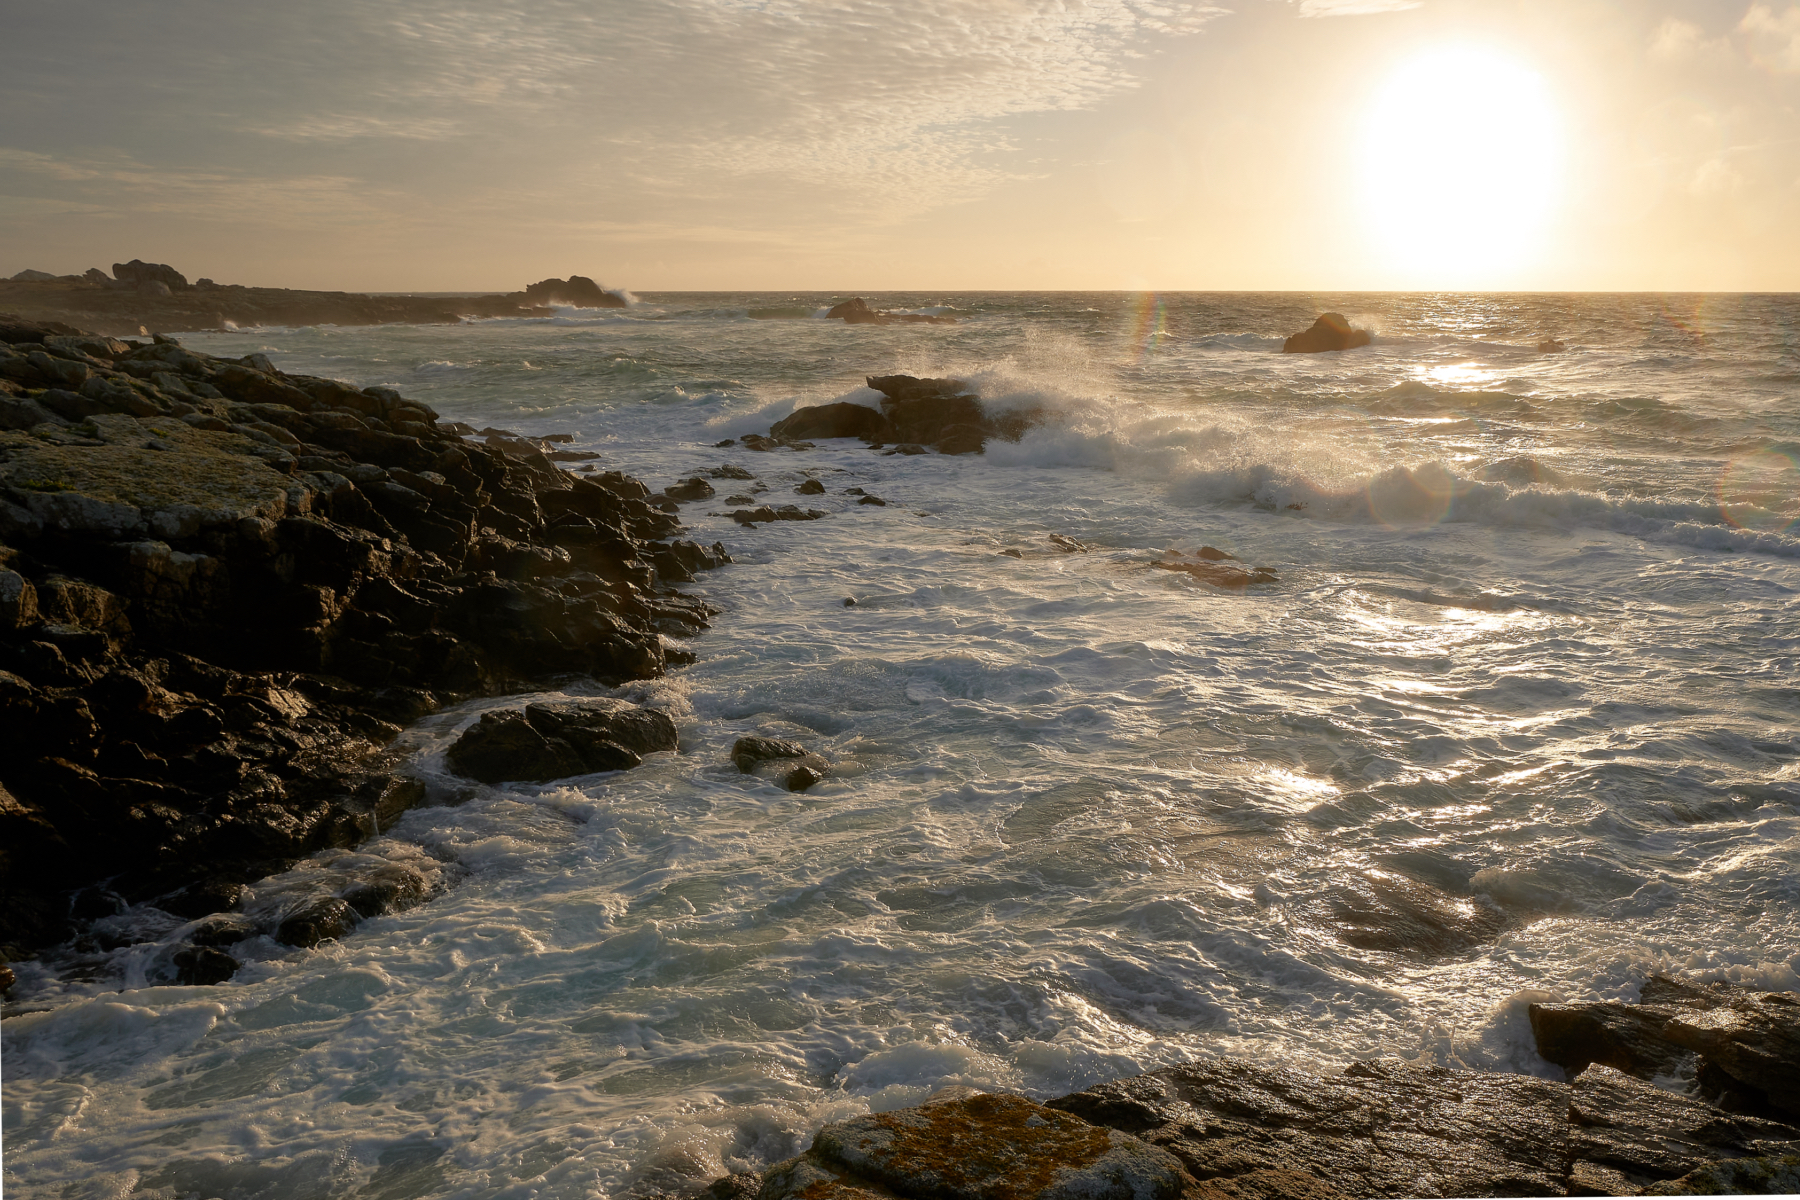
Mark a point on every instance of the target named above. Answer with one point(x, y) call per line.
point(140, 297)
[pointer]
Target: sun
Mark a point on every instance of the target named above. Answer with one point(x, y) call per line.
point(1462, 166)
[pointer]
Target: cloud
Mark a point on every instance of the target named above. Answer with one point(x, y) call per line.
point(1354, 8)
point(1775, 39)
point(1677, 41)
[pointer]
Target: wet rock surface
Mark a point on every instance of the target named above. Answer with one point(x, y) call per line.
point(787, 763)
point(223, 589)
point(915, 413)
point(552, 741)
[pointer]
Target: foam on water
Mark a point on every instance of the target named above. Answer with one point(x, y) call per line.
point(1516, 722)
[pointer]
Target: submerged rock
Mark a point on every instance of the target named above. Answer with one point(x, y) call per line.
point(552, 741)
point(1209, 569)
point(1330, 332)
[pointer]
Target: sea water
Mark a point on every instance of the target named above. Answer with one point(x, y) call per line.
point(1517, 720)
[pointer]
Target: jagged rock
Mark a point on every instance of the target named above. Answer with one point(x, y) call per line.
point(763, 513)
point(577, 290)
point(790, 764)
point(1378, 1129)
point(1330, 332)
point(980, 1147)
point(552, 741)
point(1626, 1133)
point(1753, 1038)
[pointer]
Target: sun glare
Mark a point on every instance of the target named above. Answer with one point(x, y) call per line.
point(1461, 168)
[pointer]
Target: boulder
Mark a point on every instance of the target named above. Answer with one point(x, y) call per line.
point(810, 487)
point(790, 764)
point(1330, 332)
point(139, 274)
point(556, 740)
point(1753, 1038)
point(979, 1147)
point(855, 311)
point(203, 966)
point(834, 421)
point(1378, 1129)
point(320, 920)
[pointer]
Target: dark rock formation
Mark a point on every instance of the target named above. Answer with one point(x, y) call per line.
point(763, 513)
point(975, 1147)
point(810, 487)
point(1330, 332)
point(143, 276)
point(223, 588)
point(1754, 1039)
point(790, 764)
point(552, 741)
point(577, 290)
point(687, 490)
point(914, 413)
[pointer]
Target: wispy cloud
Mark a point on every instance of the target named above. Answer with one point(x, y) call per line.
point(1354, 8)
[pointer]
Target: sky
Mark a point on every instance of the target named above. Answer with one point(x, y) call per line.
point(892, 145)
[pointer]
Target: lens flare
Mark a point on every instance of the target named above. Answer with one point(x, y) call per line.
point(1149, 326)
point(1761, 491)
point(1412, 497)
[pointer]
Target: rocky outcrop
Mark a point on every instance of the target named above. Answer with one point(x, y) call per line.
point(554, 741)
point(915, 413)
point(1211, 566)
point(577, 290)
point(1330, 332)
point(223, 589)
point(143, 276)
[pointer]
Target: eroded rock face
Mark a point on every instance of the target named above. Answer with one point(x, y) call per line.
point(1330, 332)
point(553, 741)
point(1379, 1129)
point(980, 1147)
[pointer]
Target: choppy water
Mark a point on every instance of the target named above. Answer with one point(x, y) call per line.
point(1520, 715)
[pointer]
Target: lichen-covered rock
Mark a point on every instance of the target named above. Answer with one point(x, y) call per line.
point(981, 1147)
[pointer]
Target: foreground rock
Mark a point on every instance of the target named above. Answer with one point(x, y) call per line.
point(553, 741)
point(1330, 332)
point(224, 588)
point(142, 297)
point(975, 1147)
point(915, 413)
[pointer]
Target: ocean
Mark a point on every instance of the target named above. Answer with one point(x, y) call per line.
point(1517, 718)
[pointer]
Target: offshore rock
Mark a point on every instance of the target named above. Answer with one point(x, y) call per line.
point(553, 741)
point(1211, 570)
point(856, 311)
point(980, 1147)
point(842, 420)
point(1379, 1129)
point(577, 290)
point(1330, 332)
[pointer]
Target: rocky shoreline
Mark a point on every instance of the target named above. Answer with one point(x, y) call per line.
point(140, 298)
point(1227, 1129)
point(223, 591)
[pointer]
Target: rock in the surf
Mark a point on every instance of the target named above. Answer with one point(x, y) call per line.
point(1330, 332)
point(1212, 570)
point(577, 290)
point(694, 488)
point(841, 420)
point(810, 487)
point(790, 764)
point(555, 740)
